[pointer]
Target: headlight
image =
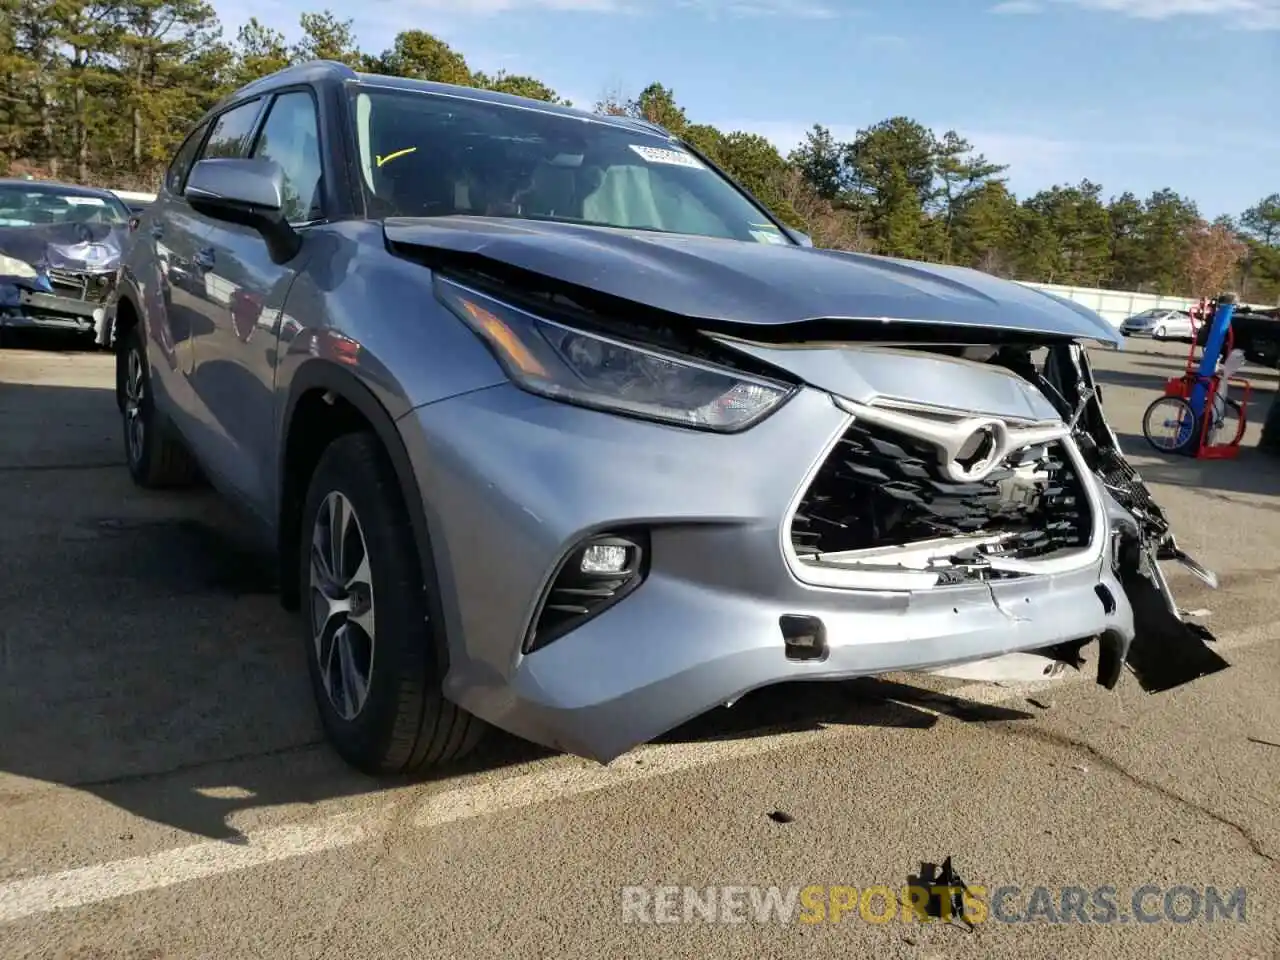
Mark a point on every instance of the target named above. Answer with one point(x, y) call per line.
point(567, 364)
point(13, 267)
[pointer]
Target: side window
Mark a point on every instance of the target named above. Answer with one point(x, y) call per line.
point(231, 132)
point(290, 138)
point(182, 161)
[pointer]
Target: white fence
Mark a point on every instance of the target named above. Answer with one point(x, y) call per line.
point(1116, 305)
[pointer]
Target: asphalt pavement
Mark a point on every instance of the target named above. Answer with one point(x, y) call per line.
point(165, 791)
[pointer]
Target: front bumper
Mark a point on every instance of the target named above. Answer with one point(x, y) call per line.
point(49, 311)
point(512, 482)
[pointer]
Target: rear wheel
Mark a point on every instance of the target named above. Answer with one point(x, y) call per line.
point(369, 624)
point(155, 458)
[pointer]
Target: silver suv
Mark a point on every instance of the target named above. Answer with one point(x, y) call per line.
point(553, 426)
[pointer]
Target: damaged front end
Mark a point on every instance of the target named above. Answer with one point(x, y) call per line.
point(978, 477)
point(974, 454)
point(1167, 650)
point(59, 276)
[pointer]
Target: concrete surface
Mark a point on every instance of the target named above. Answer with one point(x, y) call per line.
point(164, 791)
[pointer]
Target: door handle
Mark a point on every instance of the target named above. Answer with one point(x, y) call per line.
point(157, 231)
point(204, 258)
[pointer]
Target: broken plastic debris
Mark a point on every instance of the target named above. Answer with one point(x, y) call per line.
point(939, 881)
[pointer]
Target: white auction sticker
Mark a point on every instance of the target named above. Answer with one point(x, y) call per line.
point(85, 201)
point(677, 158)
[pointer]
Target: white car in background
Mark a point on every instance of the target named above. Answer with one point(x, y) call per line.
point(1159, 323)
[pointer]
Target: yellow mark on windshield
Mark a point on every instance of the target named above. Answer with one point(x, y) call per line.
point(391, 156)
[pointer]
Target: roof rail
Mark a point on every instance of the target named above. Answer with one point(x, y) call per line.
point(642, 124)
point(298, 73)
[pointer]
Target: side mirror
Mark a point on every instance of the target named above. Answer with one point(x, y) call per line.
point(247, 192)
point(133, 223)
point(801, 238)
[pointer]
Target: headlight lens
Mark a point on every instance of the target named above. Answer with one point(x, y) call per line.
point(13, 267)
point(563, 363)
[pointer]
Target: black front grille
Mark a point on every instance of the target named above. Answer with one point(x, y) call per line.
point(882, 488)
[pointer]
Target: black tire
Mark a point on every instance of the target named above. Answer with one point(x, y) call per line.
point(405, 724)
point(1167, 405)
point(159, 459)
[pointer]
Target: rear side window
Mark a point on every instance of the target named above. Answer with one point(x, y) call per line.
point(231, 132)
point(182, 161)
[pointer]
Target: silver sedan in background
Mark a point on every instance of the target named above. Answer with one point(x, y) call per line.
point(1161, 324)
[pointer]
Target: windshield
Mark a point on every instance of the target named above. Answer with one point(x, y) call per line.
point(425, 155)
point(27, 206)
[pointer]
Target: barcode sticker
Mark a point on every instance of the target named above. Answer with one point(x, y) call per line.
point(676, 158)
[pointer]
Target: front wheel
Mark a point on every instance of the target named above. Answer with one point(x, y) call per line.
point(1159, 333)
point(371, 625)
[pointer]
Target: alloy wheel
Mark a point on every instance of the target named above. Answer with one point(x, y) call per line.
point(342, 609)
point(135, 389)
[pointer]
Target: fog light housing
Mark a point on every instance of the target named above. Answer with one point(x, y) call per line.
point(593, 576)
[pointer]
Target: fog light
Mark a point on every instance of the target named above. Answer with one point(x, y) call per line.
point(599, 572)
point(604, 558)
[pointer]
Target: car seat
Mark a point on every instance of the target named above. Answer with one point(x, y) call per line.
point(552, 192)
point(624, 198)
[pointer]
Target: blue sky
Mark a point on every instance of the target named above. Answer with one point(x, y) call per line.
point(1134, 94)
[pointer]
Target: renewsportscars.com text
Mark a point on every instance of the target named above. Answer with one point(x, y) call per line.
point(820, 903)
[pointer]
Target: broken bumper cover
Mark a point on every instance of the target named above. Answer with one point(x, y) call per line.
point(513, 484)
point(48, 311)
point(73, 302)
point(713, 649)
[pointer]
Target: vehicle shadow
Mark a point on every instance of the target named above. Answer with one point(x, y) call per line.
point(1148, 382)
point(864, 702)
point(46, 341)
point(1252, 472)
point(145, 660)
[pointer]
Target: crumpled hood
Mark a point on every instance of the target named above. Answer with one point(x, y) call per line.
point(77, 247)
point(754, 283)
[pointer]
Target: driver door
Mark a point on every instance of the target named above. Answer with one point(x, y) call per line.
point(245, 290)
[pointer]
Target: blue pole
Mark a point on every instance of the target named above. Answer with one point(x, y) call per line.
point(1221, 323)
